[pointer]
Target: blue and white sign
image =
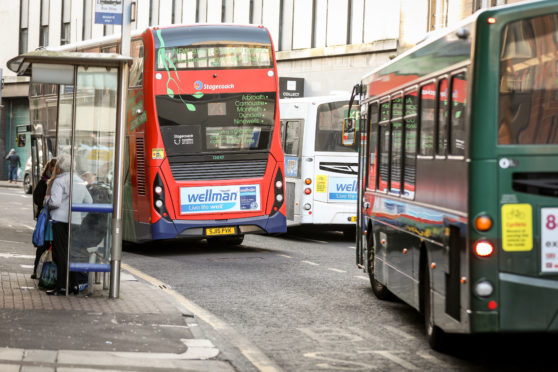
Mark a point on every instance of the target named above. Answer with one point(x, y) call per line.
point(291, 166)
point(342, 189)
point(238, 198)
point(108, 12)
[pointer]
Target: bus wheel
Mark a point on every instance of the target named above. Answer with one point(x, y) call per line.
point(435, 336)
point(378, 288)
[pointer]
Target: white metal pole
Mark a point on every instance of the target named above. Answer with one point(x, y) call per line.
point(116, 248)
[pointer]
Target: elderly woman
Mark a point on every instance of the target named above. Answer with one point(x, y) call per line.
point(39, 195)
point(59, 204)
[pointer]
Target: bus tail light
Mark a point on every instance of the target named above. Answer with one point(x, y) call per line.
point(308, 181)
point(308, 191)
point(307, 206)
point(279, 192)
point(483, 223)
point(483, 248)
point(159, 197)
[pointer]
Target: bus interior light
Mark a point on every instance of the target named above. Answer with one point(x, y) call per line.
point(484, 249)
point(308, 191)
point(308, 181)
point(484, 288)
point(483, 223)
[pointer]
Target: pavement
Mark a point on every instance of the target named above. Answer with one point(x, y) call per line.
point(145, 329)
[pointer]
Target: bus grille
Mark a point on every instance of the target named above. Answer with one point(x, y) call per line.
point(140, 165)
point(224, 170)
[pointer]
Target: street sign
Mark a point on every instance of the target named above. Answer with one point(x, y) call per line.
point(108, 12)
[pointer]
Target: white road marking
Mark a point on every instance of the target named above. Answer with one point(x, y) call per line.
point(11, 242)
point(15, 255)
point(336, 270)
point(399, 332)
point(351, 247)
point(245, 346)
point(311, 263)
point(389, 355)
point(362, 277)
point(27, 266)
point(426, 354)
point(284, 255)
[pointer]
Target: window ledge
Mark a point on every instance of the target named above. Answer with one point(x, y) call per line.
point(340, 50)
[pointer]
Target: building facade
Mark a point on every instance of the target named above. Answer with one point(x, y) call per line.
point(328, 43)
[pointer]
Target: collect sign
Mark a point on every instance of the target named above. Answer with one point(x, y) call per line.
point(291, 87)
point(108, 12)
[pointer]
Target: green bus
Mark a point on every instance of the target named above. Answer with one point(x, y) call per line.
point(458, 177)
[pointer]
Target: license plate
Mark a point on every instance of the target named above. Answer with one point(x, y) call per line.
point(220, 231)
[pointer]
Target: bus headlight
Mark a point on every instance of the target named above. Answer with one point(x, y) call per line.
point(158, 190)
point(279, 197)
point(159, 203)
point(278, 184)
point(484, 288)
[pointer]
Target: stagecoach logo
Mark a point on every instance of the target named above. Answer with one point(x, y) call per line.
point(199, 85)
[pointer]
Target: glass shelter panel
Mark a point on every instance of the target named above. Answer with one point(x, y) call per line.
point(93, 181)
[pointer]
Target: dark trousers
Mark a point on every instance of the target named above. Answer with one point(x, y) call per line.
point(60, 255)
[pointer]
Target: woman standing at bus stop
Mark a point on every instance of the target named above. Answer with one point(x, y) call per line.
point(59, 204)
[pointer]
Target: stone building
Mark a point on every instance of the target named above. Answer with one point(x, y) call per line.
point(328, 43)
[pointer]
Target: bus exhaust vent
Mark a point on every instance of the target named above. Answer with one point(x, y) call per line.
point(224, 170)
point(140, 165)
point(539, 183)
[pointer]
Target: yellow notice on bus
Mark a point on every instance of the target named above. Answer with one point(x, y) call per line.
point(517, 227)
point(321, 183)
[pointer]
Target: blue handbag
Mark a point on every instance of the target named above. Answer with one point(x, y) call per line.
point(41, 228)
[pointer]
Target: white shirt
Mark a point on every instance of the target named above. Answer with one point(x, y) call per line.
point(60, 198)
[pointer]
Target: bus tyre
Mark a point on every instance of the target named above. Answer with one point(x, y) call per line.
point(435, 336)
point(349, 232)
point(378, 288)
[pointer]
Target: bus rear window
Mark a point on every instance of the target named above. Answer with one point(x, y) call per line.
point(528, 107)
point(329, 126)
point(215, 57)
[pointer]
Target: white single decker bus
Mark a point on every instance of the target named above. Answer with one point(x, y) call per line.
point(320, 172)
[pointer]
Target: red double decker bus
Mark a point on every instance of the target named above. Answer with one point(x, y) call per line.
point(203, 129)
point(204, 157)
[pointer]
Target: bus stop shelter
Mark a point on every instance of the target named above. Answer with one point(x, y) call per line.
point(77, 107)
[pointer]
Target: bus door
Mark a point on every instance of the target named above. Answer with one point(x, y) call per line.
point(292, 132)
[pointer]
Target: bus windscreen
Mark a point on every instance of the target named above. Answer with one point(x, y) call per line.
point(215, 56)
point(216, 122)
point(329, 126)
